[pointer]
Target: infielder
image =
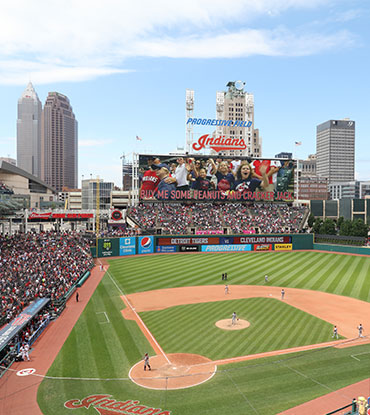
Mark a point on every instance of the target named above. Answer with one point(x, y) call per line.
point(233, 319)
point(226, 289)
point(335, 332)
point(360, 330)
point(146, 362)
point(282, 294)
point(266, 278)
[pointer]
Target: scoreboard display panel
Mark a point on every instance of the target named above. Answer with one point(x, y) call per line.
point(167, 178)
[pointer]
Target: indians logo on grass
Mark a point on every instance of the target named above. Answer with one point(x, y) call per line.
point(105, 405)
point(145, 242)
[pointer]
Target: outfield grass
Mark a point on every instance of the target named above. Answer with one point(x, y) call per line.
point(338, 274)
point(100, 349)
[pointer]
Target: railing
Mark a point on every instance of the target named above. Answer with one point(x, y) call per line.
point(353, 409)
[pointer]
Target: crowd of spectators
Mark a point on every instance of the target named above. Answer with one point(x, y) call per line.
point(238, 217)
point(173, 219)
point(4, 189)
point(39, 265)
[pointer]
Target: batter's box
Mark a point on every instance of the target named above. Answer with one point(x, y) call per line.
point(103, 317)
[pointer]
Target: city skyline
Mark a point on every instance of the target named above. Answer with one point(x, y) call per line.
point(304, 64)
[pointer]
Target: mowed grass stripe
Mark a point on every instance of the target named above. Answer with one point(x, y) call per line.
point(363, 283)
point(339, 277)
point(351, 282)
point(304, 269)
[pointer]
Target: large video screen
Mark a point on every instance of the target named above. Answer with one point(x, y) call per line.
point(215, 178)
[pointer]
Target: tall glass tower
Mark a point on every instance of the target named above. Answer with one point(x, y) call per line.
point(59, 143)
point(29, 132)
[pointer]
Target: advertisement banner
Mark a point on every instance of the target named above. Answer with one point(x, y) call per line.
point(225, 240)
point(189, 248)
point(108, 247)
point(168, 249)
point(188, 241)
point(127, 246)
point(283, 247)
point(210, 232)
point(262, 239)
point(226, 248)
point(146, 244)
point(265, 247)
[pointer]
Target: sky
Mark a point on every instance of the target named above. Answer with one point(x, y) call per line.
point(125, 67)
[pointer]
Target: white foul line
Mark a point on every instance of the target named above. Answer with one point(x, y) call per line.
point(138, 317)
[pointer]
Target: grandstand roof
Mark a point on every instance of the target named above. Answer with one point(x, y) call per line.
point(6, 167)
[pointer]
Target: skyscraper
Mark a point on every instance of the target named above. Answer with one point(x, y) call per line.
point(29, 131)
point(237, 105)
point(335, 150)
point(59, 143)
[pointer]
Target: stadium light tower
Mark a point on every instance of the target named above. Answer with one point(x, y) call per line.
point(189, 100)
point(220, 104)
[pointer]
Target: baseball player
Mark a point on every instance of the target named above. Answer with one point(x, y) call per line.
point(146, 362)
point(26, 348)
point(335, 332)
point(360, 330)
point(233, 319)
point(266, 278)
point(282, 294)
point(226, 289)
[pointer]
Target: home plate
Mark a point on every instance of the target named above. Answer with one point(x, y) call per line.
point(26, 372)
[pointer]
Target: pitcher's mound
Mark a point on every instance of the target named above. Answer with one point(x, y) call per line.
point(226, 324)
point(182, 371)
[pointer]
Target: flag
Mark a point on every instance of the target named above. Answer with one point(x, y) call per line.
point(138, 138)
point(298, 143)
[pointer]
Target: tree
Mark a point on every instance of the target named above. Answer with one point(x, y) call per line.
point(316, 225)
point(359, 228)
point(339, 222)
point(346, 228)
point(328, 227)
point(311, 220)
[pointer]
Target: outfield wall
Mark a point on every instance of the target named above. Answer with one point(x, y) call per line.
point(342, 248)
point(111, 247)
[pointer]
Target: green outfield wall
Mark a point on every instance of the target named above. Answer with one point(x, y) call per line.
point(342, 248)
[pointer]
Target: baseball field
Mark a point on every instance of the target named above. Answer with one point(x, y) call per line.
point(169, 305)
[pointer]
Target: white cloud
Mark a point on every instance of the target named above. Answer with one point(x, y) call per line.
point(74, 41)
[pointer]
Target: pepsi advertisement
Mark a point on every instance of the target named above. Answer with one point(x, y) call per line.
point(146, 244)
point(127, 246)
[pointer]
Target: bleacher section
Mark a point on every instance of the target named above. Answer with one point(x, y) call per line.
point(239, 218)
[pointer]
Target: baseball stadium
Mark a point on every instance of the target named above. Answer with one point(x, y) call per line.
point(214, 303)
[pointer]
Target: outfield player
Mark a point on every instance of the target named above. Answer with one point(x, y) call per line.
point(146, 362)
point(266, 278)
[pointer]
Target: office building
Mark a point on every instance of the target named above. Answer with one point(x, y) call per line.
point(238, 106)
point(284, 155)
point(59, 159)
point(91, 194)
point(335, 150)
point(29, 132)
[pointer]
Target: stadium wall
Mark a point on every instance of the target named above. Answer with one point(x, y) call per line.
point(112, 247)
point(342, 248)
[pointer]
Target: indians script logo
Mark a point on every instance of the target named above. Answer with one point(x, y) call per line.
point(219, 143)
point(145, 242)
point(105, 405)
